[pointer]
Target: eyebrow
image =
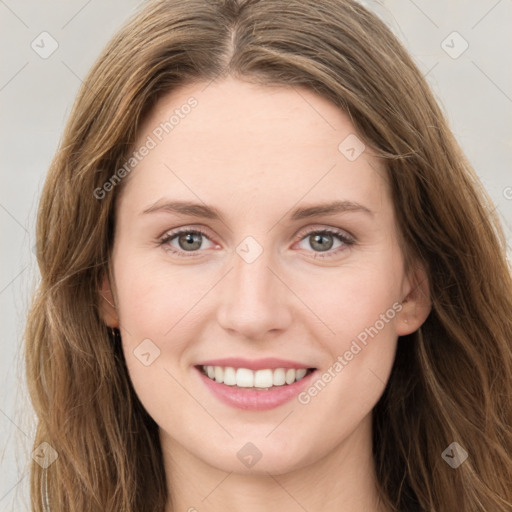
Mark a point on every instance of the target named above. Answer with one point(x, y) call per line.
point(209, 212)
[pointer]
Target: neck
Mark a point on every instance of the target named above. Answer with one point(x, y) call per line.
point(344, 480)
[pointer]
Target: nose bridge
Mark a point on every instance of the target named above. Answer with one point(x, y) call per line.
point(255, 300)
point(251, 275)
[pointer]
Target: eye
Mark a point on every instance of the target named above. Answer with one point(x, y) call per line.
point(189, 241)
point(322, 241)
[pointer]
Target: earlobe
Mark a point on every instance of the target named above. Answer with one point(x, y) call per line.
point(416, 305)
point(107, 304)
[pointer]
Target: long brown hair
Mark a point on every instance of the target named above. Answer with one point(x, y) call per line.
point(452, 379)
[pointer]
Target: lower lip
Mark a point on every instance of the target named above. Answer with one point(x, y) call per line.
point(252, 399)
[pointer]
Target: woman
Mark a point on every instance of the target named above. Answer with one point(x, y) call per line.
point(269, 277)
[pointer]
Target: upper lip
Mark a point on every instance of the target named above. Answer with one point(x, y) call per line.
point(254, 364)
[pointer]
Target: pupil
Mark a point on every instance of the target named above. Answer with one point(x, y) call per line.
point(317, 240)
point(189, 239)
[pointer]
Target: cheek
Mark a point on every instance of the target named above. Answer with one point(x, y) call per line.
point(352, 381)
point(153, 297)
point(155, 311)
point(360, 308)
point(352, 299)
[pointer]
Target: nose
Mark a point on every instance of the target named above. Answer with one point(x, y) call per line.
point(254, 301)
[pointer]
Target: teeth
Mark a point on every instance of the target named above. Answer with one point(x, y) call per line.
point(244, 378)
point(290, 376)
point(229, 376)
point(279, 377)
point(262, 379)
point(300, 374)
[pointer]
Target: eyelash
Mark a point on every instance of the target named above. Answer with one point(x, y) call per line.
point(347, 241)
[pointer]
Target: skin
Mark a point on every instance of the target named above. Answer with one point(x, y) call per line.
point(255, 153)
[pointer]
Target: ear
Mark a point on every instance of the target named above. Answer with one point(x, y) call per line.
point(416, 304)
point(107, 304)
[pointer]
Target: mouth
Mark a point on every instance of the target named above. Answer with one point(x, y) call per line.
point(259, 388)
point(262, 380)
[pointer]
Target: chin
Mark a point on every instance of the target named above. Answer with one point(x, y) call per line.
point(258, 457)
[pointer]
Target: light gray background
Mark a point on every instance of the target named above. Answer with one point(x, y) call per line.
point(36, 94)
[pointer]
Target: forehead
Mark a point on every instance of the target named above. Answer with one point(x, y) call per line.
point(237, 141)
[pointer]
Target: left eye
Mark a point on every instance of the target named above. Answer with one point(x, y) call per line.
point(190, 241)
point(323, 241)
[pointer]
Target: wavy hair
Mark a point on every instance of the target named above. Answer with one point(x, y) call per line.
point(451, 379)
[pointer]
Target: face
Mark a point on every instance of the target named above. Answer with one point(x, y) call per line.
point(252, 281)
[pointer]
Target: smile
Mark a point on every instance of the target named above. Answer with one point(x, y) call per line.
point(256, 385)
point(259, 379)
